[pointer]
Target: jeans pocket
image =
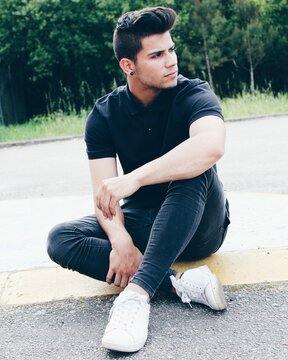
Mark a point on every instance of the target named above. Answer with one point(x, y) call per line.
point(223, 231)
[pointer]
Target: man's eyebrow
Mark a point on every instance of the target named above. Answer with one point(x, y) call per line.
point(160, 51)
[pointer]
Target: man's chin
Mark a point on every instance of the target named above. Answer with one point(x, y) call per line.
point(165, 85)
point(170, 85)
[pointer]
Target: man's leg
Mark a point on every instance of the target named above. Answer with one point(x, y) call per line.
point(190, 224)
point(190, 217)
point(83, 246)
point(80, 245)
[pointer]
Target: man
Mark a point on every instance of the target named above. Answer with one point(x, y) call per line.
point(168, 132)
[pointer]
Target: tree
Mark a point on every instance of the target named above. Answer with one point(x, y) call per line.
point(62, 49)
point(251, 36)
point(274, 14)
point(206, 35)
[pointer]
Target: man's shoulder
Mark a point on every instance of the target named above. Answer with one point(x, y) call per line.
point(183, 81)
point(195, 99)
point(187, 86)
point(113, 95)
point(112, 100)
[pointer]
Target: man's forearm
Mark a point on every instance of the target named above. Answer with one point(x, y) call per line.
point(114, 229)
point(187, 160)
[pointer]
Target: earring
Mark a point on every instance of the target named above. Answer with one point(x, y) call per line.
point(132, 73)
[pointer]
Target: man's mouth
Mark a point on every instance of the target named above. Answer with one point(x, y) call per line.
point(172, 74)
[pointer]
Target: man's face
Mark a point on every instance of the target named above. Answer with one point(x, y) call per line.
point(156, 64)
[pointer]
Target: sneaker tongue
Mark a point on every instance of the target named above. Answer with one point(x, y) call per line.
point(124, 303)
point(127, 294)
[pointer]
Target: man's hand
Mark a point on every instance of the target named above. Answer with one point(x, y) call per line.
point(112, 190)
point(124, 262)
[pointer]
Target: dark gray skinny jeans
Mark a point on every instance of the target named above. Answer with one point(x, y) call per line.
point(191, 224)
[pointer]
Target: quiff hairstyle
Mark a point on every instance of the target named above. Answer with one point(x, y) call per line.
point(133, 26)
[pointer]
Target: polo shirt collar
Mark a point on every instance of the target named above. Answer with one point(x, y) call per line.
point(133, 107)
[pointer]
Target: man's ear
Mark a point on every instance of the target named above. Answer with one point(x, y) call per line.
point(127, 66)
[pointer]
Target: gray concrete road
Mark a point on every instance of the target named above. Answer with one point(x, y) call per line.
point(256, 160)
point(254, 327)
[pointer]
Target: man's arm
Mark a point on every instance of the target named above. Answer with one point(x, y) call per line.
point(124, 257)
point(101, 169)
point(189, 159)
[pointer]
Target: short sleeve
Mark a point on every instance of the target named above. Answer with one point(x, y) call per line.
point(98, 137)
point(198, 101)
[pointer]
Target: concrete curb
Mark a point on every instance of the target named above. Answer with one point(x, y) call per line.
point(257, 117)
point(53, 284)
point(39, 141)
point(65, 138)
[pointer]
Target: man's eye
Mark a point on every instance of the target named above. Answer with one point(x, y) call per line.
point(156, 55)
point(173, 48)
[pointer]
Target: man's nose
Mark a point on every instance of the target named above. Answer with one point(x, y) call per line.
point(171, 59)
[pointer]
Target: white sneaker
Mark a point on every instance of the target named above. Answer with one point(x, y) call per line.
point(201, 286)
point(127, 328)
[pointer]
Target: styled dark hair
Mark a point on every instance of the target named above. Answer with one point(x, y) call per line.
point(133, 26)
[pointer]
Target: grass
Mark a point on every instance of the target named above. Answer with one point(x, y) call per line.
point(59, 124)
point(250, 105)
point(44, 127)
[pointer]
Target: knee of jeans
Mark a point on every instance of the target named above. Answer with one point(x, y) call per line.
point(191, 182)
point(55, 243)
point(188, 188)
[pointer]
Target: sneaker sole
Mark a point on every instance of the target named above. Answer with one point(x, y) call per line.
point(215, 294)
point(123, 347)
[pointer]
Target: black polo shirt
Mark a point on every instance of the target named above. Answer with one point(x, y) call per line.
point(119, 125)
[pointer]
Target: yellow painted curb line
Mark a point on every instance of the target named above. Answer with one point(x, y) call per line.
point(49, 284)
point(246, 266)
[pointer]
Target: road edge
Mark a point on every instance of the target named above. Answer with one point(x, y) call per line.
point(67, 138)
point(43, 285)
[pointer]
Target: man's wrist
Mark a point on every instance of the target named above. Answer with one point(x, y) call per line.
point(121, 240)
point(139, 176)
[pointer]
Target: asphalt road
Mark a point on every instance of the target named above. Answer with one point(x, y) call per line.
point(255, 326)
point(255, 161)
point(256, 323)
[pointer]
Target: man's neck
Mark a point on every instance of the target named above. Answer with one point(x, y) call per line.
point(145, 95)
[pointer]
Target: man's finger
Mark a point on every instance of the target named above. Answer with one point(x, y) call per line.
point(110, 276)
point(112, 206)
point(98, 202)
point(105, 202)
point(124, 281)
point(117, 280)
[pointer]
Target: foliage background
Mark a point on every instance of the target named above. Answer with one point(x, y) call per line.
point(61, 52)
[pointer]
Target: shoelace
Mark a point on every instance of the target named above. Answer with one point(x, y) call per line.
point(187, 296)
point(180, 290)
point(125, 310)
